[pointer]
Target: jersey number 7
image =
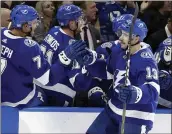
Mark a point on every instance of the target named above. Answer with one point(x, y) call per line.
point(3, 64)
point(48, 54)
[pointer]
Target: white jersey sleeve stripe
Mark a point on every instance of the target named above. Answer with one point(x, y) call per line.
point(60, 88)
point(132, 113)
point(72, 80)
point(44, 79)
point(155, 85)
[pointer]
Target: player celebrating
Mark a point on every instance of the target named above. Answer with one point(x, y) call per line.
point(141, 94)
point(57, 39)
point(96, 94)
point(22, 60)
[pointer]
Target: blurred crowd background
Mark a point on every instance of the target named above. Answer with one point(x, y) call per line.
point(156, 15)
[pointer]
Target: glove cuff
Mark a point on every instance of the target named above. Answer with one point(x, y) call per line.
point(94, 57)
point(139, 94)
point(64, 59)
point(93, 90)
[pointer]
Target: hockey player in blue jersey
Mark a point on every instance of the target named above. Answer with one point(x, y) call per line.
point(96, 95)
point(22, 61)
point(164, 58)
point(57, 39)
point(107, 12)
point(141, 95)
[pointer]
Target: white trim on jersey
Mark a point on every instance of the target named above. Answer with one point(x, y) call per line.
point(61, 88)
point(44, 79)
point(23, 101)
point(109, 75)
point(7, 34)
point(155, 85)
point(72, 80)
point(132, 113)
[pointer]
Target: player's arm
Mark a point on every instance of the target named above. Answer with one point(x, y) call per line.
point(96, 66)
point(166, 55)
point(39, 67)
point(148, 88)
point(80, 79)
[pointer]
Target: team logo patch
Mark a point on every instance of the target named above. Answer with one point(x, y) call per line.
point(71, 41)
point(24, 11)
point(29, 42)
point(146, 55)
point(168, 41)
point(107, 44)
point(68, 8)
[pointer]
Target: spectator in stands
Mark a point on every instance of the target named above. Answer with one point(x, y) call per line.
point(157, 37)
point(88, 32)
point(143, 6)
point(6, 4)
point(10, 4)
point(5, 17)
point(156, 15)
point(46, 12)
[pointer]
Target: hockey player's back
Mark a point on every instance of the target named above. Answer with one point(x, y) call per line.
point(16, 56)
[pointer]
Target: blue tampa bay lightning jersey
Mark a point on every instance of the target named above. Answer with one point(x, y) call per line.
point(107, 12)
point(166, 43)
point(159, 55)
point(143, 74)
point(56, 41)
point(81, 80)
point(21, 61)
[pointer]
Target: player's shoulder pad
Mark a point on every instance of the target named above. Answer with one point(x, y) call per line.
point(54, 30)
point(30, 42)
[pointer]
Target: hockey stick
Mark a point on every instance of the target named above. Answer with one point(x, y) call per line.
point(128, 64)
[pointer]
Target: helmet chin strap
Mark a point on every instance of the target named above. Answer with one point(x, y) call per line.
point(135, 43)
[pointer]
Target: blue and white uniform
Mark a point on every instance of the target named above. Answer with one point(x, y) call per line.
point(107, 12)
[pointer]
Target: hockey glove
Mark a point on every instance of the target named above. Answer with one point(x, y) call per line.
point(88, 58)
point(165, 80)
point(129, 94)
point(97, 96)
point(72, 52)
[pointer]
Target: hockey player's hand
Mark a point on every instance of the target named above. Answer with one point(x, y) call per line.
point(88, 58)
point(97, 96)
point(129, 94)
point(72, 52)
point(167, 55)
point(165, 80)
